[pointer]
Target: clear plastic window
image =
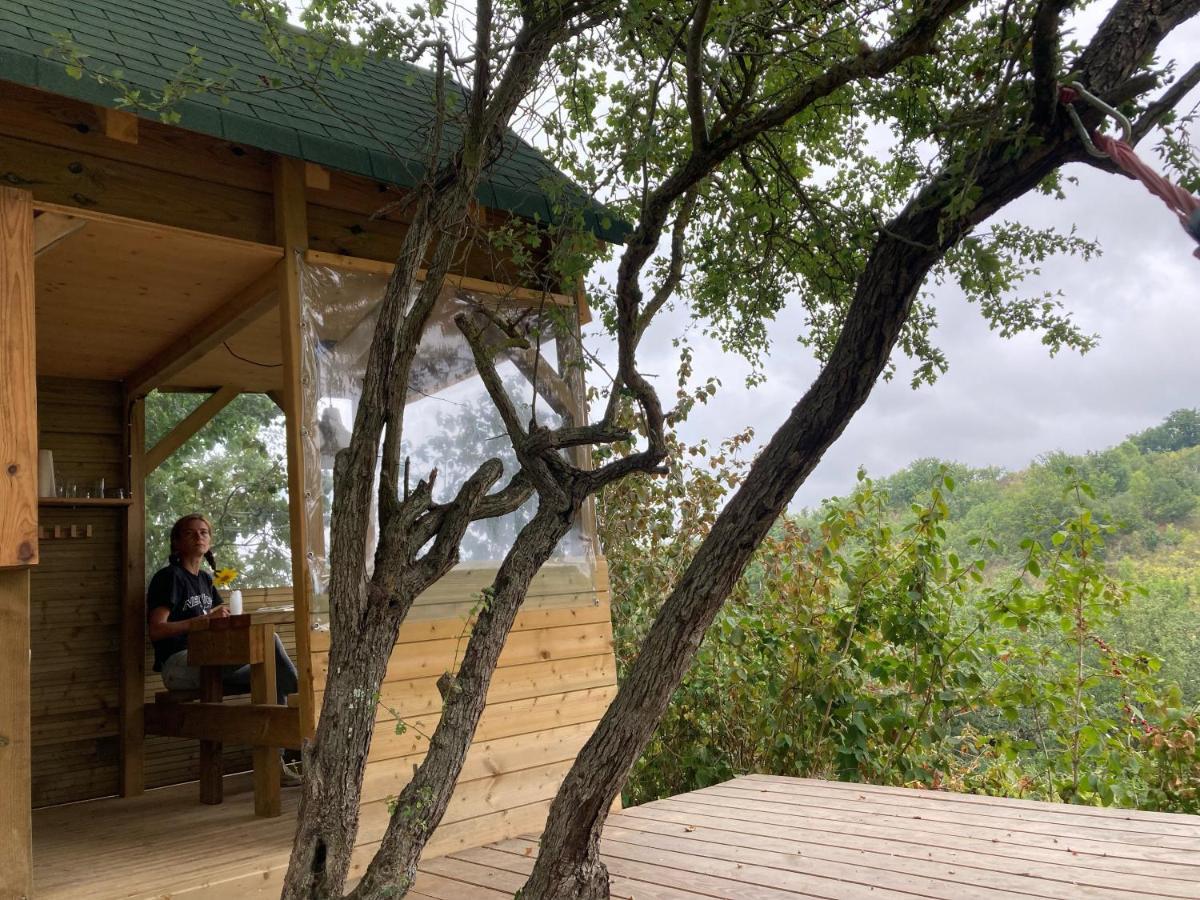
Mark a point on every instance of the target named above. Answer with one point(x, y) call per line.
point(450, 424)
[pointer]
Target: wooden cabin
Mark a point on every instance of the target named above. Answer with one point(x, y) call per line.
point(138, 256)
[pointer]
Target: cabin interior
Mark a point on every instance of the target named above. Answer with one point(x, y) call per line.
point(170, 261)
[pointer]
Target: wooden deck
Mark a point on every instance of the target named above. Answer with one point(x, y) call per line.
point(753, 837)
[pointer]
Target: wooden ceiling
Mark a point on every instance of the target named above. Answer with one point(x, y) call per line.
point(114, 295)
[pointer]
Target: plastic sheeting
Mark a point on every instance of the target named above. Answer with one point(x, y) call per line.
point(450, 422)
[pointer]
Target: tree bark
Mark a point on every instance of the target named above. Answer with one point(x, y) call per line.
point(365, 616)
point(423, 801)
point(569, 866)
point(328, 820)
point(326, 831)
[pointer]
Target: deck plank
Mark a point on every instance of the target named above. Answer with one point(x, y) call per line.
point(751, 838)
point(1183, 864)
point(520, 864)
point(1041, 821)
point(713, 879)
point(965, 869)
point(1106, 870)
point(1104, 812)
point(1121, 843)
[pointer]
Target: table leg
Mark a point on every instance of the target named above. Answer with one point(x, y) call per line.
point(211, 764)
point(266, 759)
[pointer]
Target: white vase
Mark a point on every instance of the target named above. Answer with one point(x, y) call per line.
point(45, 473)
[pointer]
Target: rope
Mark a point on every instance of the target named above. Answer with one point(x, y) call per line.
point(1183, 203)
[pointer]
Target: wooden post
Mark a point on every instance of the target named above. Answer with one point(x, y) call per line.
point(18, 383)
point(291, 232)
point(262, 691)
point(212, 767)
point(133, 616)
point(16, 824)
point(570, 368)
point(18, 534)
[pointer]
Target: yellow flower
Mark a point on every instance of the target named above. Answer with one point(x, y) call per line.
point(224, 577)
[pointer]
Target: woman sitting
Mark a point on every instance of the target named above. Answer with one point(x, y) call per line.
point(181, 595)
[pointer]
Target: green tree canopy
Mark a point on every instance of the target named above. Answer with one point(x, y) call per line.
point(234, 472)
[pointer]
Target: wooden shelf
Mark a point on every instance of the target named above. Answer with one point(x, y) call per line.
point(84, 501)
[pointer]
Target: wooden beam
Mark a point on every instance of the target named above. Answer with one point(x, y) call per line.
point(569, 348)
point(179, 435)
point(133, 609)
point(291, 232)
point(279, 400)
point(16, 825)
point(86, 180)
point(526, 296)
point(88, 214)
point(549, 385)
point(266, 756)
point(50, 227)
point(247, 305)
point(119, 125)
point(582, 308)
point(18, 384)
point(212, 782)
point(254, 724)
point(316, 177)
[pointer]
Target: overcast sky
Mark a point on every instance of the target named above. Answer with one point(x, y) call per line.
point(1003, 402)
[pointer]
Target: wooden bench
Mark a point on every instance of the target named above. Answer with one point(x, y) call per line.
point(263, 723)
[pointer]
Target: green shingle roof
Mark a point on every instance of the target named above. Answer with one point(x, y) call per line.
point(149, 41)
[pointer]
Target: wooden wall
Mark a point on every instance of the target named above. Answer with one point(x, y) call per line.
point(58, 149)
point(555, 679)
point(76, 601)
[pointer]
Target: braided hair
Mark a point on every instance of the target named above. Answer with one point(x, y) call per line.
point(177, 529)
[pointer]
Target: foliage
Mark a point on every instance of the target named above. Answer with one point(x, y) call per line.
point(788, 219)
point(234, 472)
point(1180, 430)
point(861, 645)
point(1147, 486)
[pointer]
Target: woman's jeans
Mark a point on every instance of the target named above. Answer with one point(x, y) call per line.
point(177, 675)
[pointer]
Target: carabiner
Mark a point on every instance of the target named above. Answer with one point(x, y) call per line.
point(1086, 95)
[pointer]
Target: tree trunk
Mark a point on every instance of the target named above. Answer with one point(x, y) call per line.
point(568, 865)
point(423, 801)
point(328, 820)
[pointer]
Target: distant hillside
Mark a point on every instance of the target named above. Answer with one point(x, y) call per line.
point(1147, 488)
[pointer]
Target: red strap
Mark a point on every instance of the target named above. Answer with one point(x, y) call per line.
point(1180, 201)
point(1183, 203)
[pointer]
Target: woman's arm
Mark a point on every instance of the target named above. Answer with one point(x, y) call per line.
point(161, 629)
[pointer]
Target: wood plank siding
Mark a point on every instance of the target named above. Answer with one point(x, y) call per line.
point(76, 600)
point(555, 678)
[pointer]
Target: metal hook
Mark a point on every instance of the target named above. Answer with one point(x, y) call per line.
point(1089, 97)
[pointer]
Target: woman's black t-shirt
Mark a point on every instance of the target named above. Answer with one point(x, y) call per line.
point(186, 596)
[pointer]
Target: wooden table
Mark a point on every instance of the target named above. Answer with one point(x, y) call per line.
point(237, 641)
